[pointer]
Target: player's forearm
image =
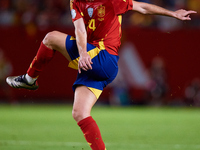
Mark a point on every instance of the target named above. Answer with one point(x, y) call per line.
point(81, 35)
point(146, 8)
point(151, 9)
point(81, 40)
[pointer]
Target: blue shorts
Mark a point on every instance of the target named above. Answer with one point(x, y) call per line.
point(104, 67)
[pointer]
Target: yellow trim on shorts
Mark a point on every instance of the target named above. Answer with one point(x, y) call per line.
point(96, 92)
point(72, 38)
point(94, 52)
point(74, 63)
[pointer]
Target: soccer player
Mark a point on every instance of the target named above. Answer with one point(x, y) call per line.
point(93, 52)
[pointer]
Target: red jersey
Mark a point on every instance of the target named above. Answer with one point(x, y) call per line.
point(102, 19)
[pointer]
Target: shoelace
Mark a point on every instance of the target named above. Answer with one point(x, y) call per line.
point(20, 79)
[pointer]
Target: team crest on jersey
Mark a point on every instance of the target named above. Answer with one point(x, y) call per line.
point(101, 11)
point(90, 11)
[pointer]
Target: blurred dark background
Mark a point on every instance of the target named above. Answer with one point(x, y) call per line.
point(159, 62)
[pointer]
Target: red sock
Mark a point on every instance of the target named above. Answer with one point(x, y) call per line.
point(92, 133)
point(43, 56)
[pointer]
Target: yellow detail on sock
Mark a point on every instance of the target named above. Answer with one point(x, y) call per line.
point(31, 65)
point(35, 58)
point(96, 92)
point(90, 144)
point(36, 77)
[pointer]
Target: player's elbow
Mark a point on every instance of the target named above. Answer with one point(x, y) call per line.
point(141, 7)
point(145, 10)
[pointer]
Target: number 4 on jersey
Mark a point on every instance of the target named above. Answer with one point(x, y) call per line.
point(91, 24)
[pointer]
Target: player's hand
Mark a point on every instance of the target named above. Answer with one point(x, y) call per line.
point(183, 14)
point(84, 62)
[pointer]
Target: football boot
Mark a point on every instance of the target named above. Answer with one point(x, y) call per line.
point(21, 82)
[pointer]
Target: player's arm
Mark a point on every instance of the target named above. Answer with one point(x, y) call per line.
point(151, 9)
point(81, 40)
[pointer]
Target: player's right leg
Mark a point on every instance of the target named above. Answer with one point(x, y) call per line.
point(53, 41)
point(84, 100)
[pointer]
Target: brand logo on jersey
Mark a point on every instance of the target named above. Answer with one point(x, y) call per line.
point(90, 11)
point(101, 11)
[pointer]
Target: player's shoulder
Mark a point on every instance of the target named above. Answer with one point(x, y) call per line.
point(77, 1)
point(73, 2)
point(122, 1)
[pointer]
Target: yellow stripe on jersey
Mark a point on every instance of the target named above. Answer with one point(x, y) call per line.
point(120, 19)
point(96, 92)
point(101, 45)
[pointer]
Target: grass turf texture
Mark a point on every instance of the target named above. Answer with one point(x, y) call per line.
point(44, 127)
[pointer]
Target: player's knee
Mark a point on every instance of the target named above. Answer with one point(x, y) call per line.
point(78, 115)
point(49, 39)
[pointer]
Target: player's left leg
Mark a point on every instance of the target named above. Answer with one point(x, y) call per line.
point(53, 41)
point(84, 100)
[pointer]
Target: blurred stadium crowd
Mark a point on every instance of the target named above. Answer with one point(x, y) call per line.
point(47, 13)
point(35, 15)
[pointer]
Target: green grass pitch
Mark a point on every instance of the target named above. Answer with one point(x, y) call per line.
point(51, 127)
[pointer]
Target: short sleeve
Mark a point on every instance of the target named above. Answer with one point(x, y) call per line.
point(75, 10)
point(122, 6)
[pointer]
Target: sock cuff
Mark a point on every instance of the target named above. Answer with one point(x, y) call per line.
point(85, 122)
point(33, 73)
point(50, 52)
point(44, 46)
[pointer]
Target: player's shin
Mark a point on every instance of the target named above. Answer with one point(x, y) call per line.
point(42, 58)
point(92, 133)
